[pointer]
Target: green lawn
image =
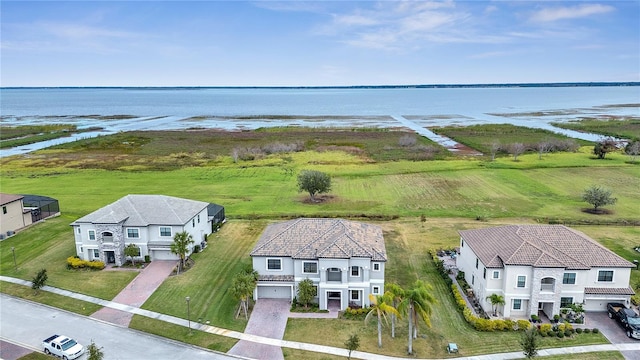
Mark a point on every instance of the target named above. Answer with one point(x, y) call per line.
point(180, 333)
point(208, 282)
point(48, 245)
point(547, 188)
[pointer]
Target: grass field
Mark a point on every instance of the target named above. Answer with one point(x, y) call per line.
point(620, 128)
point(452, 194)
point(481, 137)
point(540, 189)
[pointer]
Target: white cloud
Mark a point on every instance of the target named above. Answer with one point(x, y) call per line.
point(572, 12)
point(77, 31)
point(395, 25)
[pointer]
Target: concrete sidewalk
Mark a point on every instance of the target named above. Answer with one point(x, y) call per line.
point(137, 292)
point(314, 347)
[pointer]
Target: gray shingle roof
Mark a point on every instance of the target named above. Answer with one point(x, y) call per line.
point(539, 246)
point(322, 238)
point(144, 210)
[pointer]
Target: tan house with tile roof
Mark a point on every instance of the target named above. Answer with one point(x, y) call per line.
point(344, 259)
point(542, 268)
point(13, 216)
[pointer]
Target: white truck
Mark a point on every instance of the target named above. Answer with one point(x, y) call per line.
point(63, 347)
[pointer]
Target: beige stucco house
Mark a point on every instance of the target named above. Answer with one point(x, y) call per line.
point(542, 268)
point(344, 259)
point(13, 215)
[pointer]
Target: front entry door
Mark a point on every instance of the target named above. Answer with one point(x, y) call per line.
point(111, 257)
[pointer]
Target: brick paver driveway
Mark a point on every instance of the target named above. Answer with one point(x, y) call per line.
point(612, 331)
point(137, 292)
point(268, 319)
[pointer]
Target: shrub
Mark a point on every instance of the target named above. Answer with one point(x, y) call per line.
point(551, 333)
point(586, 331)
point(579, 330)
point(635, 299)
point(567, 333)
point(545, 327)
point(74, 262)
point(523, 324)
point(595, 331)
point(196, 249)
point(147, 259)
point(560, 334)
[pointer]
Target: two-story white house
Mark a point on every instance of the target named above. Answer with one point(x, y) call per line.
point(344, 259)
point(541, 268)
point(148, 221)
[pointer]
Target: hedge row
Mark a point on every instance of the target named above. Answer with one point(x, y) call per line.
point(77, 263)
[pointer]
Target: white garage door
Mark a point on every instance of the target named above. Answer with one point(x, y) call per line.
point(274, 292)
point(162, 255)
point(599, 304)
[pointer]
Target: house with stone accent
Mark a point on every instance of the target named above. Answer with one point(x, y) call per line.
point(344, 259)
point(148, 221)
point(539, 269)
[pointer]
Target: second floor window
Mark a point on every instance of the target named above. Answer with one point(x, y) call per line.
point(165, 231)
point(522, 281)
point(355, 271)
point(274, 264)
point(376, 266)
point(92, 235)
point(605, 275)
point(310, 267)
point(569, 278)
point(133, 233)
point(496, 274)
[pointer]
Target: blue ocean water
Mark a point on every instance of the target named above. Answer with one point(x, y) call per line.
point(250, 108)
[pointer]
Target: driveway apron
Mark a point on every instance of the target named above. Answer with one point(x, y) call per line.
point(268, 319)
point(137, 292)
point(612, 331)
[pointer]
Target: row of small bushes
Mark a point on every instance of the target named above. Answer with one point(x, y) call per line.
point(75, 262)
point(355, 314)
point(478, 323)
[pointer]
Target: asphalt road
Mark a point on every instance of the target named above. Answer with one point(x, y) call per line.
point(28, 324)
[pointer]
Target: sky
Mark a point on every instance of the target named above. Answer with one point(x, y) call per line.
point(316, 43)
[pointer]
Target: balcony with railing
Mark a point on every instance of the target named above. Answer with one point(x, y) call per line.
point(548, 285)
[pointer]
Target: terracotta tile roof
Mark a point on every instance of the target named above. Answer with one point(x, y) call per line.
point(286, 278)
point(539, 246)
point(322, 238)
point(609, 291)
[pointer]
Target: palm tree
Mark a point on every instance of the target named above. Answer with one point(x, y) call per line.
point(496, 300)
point(180, 246)
point(380, 306)
point(397, 295)
point(242, 288)
point(418, 302)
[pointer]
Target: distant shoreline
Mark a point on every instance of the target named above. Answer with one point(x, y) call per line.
point(418, 86)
